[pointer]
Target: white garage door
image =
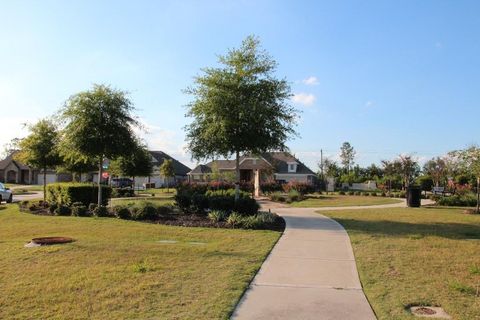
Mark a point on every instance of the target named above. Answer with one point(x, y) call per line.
point(157, 180)
point(51, 178)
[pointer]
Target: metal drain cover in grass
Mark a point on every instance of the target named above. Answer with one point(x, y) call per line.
point(46, 241)
point(429, 312)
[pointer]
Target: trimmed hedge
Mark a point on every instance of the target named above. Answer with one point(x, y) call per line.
point(192, 187)
point(68, 193)
point(222, 200)
point(123, 193)
point(468, 200)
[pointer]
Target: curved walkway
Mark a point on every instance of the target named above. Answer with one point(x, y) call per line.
point(310, 273)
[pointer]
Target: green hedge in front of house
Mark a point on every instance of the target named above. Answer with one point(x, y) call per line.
point(68, 193)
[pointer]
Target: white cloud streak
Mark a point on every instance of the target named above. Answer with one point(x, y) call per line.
point(310, 81)
point(306, 99)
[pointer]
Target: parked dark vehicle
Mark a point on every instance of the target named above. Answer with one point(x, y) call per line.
point(121, 183)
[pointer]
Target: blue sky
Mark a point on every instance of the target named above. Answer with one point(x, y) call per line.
point(390, 77)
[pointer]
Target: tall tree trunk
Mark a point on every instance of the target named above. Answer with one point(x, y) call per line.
point(100, 172)
point(478, 194)
point(133, 179)
point(44, 183)
point(237, 176)
point(168, 180)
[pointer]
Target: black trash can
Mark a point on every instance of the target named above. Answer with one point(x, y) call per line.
point(414, 196)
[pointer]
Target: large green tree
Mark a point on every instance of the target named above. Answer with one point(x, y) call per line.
point(436, 168)
point(409, 169)
point(99, 125)
point(40, 149)
point(167, 170)
point(138, 163)
point(239, 107)
point(347, 156)
point(471, 159)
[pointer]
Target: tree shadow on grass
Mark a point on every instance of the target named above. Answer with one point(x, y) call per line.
point(396, 228)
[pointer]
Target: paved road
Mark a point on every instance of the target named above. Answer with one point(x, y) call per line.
point(310, 273)
point(31, 195)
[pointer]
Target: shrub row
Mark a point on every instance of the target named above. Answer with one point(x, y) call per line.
point(198, 203)
point(68, 193)
point(301, 187)
point(237, 220)
point(466, 200)
point(202, 188)
point(290, 197)
point(122, 192)
point(142, 211)
point(270, 187)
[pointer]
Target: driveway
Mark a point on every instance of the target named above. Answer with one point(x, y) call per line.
point(30, 196)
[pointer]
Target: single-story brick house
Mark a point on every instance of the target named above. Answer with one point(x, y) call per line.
point(272, 166)
point(13, 171)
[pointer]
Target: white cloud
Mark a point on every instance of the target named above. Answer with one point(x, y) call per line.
point(310, 81)
point(13, 127)
point(168, 141)
point(306, 99)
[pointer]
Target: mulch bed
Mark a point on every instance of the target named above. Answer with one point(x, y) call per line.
point(192, 220)
point(183, 220)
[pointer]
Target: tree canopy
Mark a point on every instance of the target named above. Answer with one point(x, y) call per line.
point(99, 124)
point(138, 163)
point(167, 170)
point(240, 106)
point(347, 155)
point(436, 168)
point(40, 149)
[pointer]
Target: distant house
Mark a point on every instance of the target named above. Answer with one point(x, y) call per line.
point(272, 166)
point(158, 157)
point(13, 171)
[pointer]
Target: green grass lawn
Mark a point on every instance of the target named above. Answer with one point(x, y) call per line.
point(118, 270)
point(160, 191)
point(323, 200)
point(424, 255)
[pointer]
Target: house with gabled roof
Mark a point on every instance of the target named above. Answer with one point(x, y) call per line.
point(281, 167)
point(13, 171)
point(158, 157)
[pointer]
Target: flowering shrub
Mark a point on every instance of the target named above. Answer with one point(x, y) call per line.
point(193, 187)
point(301, 187)
point(463, 189)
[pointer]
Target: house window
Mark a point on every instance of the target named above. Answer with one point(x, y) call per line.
point(292, 167)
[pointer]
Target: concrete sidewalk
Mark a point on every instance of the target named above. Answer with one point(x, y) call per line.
point(310, 274)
